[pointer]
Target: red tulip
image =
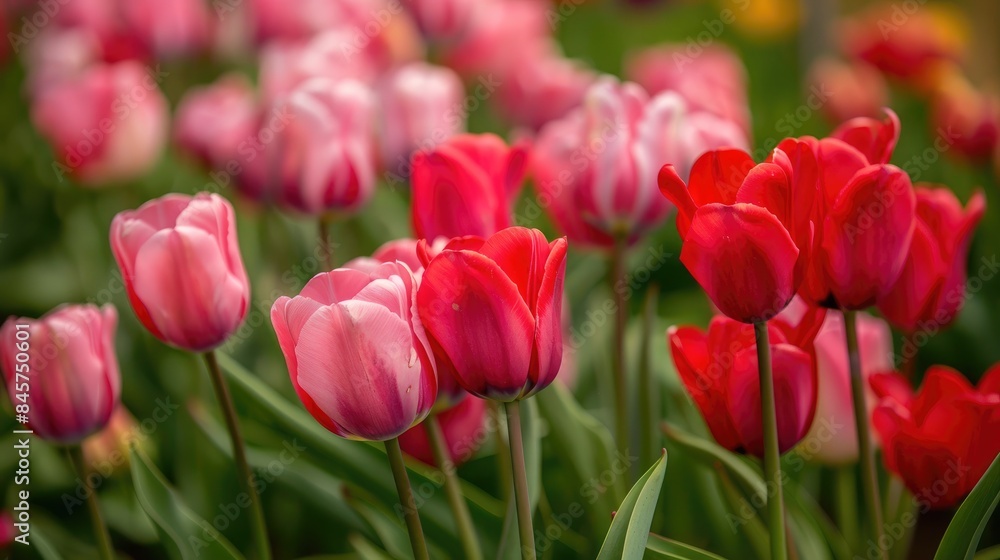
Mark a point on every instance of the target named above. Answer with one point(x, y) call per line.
point(357, 353)
point(595, 169)
point(465, 186)
point(420, 106)
point(864, 215)
point(930, 290)
point(714, 82)
point(106, 124)
point(969, 119)
point(182, 268)
point(942, 439)
point(495, 312)
point(747, 229)
point(463, 427)
point(63, 367)
point(719, 371)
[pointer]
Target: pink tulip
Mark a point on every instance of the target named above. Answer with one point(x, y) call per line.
point(495, 312)
point(849, 89)
point(443, 20)
point(63, 367)
point(969, 117)
point(499, 32)
point(463, 430)
point(544, 87)
point(715, 81)
point(182, 269)
point(420, 106)
point(214, 121)
point(168, 29)
point(402, 250)
point(833, 439)
point(357, 352)
point(107, 124)
point(596, 169)
point(284, 67)
point(465, 186)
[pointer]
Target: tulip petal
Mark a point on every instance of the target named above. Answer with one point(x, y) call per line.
point(916, 292)
point(875, 139)
point(357, 363)
point(717, 175)
point(743, 258)
point(546, 359)
point(335, 286)
point(867, 234)
point(673, 188)
point(521, 254)
point(480, 321)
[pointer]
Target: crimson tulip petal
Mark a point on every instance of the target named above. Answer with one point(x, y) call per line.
point(873, 138)
point(548, 350)
point(892, 386)
point(867, 234)
point(990, 383)
point(717, 175)
point(673, 188)
point(839, 162)
point(464, 292)
point(743, 258)
point(767, 186)
point(521, 254)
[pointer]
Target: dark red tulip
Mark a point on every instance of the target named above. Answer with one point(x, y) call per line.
point(942, 439)
point(465, 186)
point(719, 371)
point(931, 288)
point(463, 430)
point(747, 229)
point(495, 312)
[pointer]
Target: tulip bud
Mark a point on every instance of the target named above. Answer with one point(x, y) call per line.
point(462, 426)
point(931, 287)
point(357, 352)
point(62, 370)
point(764, 214)
point(465, 186)
point(719, 371)
point(942, 439)
point(495, 312)
point(182, 269)
point(595, 169)
point(107, 124)
point(420, 107)
point(107, 451)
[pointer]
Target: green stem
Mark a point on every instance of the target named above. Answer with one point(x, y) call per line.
point(846, 493)
point(513, 410)
point(463, 521)
point(75, 454)
point(409, 506)
point(324, 241)
point(648, 390)
point(240, 455)
point(869, 475)
point(772, 459)
point(618, 357)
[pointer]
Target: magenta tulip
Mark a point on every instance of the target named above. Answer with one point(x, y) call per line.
point(357, 353)
point(63, 367)
point(495, 312)
point(182, 269)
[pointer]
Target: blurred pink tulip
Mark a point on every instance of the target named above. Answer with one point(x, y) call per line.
point(465, 186)
point(420, 106)
point(464, 432)
point(545, 86)
point(494, 311)
point(181, 265)
point(499, 33)
point(967, 118)
point(715, 81)
point(72, 384)
point(443, 20)
point(595, 170)
point(286, 66)
point(107, 124)
point(212, 121)
point(833, 439)
point(850, 89)
point(357, 352)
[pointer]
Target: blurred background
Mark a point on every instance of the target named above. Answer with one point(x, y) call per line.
point(803, 67)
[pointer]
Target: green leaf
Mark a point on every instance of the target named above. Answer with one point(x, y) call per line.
point(710, 453)
point(44, 548)
point(661, 547)
point(185, 535)
point(532, 439)
point(963, 534)
point(626, 539)
point(585, 446)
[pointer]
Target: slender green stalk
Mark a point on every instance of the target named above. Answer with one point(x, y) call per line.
point(869, 475)
point(240, 455)
point(846, 494)
point(772, 459)
point(409, 506)
point(324, 241)
point(618, 350)
point(513, 410)
point(463, 521)
point(101, 534)
point(648, 391)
